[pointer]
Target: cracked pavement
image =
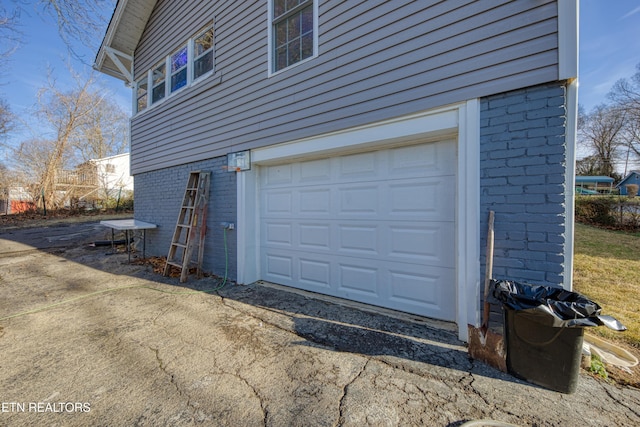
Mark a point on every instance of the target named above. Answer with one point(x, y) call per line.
point(144, 350)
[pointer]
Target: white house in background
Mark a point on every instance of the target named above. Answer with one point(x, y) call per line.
point(95, 180)
point(114, 174)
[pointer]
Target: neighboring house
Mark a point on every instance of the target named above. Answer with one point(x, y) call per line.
point(380, 135)
point(594, 184)
point(632, 178)
point(96, 180)
point(114, 175)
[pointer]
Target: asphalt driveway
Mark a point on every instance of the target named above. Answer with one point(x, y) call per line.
point(87, 339)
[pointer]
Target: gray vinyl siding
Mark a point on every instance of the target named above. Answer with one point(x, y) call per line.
point(377, 60)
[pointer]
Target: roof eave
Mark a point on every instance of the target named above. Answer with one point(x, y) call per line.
point(117, 61)
point(98, 65)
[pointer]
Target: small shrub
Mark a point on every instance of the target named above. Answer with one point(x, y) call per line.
point(613, 212)
point(122, 203)
point(598, 368)
point(596, 210)
point(632, 190)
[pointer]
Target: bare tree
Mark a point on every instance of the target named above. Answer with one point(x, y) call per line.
point(32, 156)
point(103, 133)
point(86, 124)
point(589, 165)
point(9, 33)
point(626, 96)
point(9, 37)
point(31, 159)
point(80, 21)
point(626, 92)
point(66, 113)
point(5, 186)
point(6, 118)
point(600, 132)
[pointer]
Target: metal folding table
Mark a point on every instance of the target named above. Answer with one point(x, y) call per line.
point(127, 225)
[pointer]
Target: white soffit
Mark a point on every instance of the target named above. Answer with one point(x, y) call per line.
point(115, 56)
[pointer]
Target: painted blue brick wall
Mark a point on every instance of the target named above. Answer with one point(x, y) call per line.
point(158, 197)
point(522, 163)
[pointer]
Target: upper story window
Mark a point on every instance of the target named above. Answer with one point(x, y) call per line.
point(110, 168)
point(158, 77)
point(293, 31)
point(142, 90)
point(192, 61)
point(203, 54)
point(179, 61)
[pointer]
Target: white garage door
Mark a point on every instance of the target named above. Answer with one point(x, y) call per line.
point(375, 227)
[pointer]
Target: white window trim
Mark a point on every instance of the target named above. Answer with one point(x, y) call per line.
point(270, 41)
point(191, 81)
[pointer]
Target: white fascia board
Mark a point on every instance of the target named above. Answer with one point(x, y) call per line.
point(568, 37)
point(111, 30)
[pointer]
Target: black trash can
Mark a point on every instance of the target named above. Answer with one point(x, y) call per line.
point(543, 355)
point(544, 330)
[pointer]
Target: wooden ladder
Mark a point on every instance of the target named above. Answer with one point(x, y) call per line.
point(191, 226)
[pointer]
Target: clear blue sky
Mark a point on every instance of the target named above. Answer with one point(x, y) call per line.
point(609, 47)
point(609, 50)
point(41, 50)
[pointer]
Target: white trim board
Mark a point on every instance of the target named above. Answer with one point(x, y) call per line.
point(461, 119)
point(568, 35)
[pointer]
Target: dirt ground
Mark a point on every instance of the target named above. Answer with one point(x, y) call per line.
point(88, 339)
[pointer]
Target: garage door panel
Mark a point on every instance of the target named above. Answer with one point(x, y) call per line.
point(435, 159)
point(315, 236)
point(358, 167)
point(358, 239)
point(315, 201)
point(374, 227)
point(423, 292)
point(315, 171)
point(427, 200)
point(315, 274)
point(279, 233)
point(278, 175)
point(278, 203)
point(430, 244)
point(357, 280)
point(279, 267)
point(360, 200)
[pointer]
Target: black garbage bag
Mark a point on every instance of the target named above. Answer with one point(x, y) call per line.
point(552, 306)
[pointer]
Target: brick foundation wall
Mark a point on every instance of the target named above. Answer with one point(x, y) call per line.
point(522, 179)
point(158, 197)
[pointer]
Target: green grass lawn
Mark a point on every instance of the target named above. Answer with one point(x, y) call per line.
point(607, 270)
